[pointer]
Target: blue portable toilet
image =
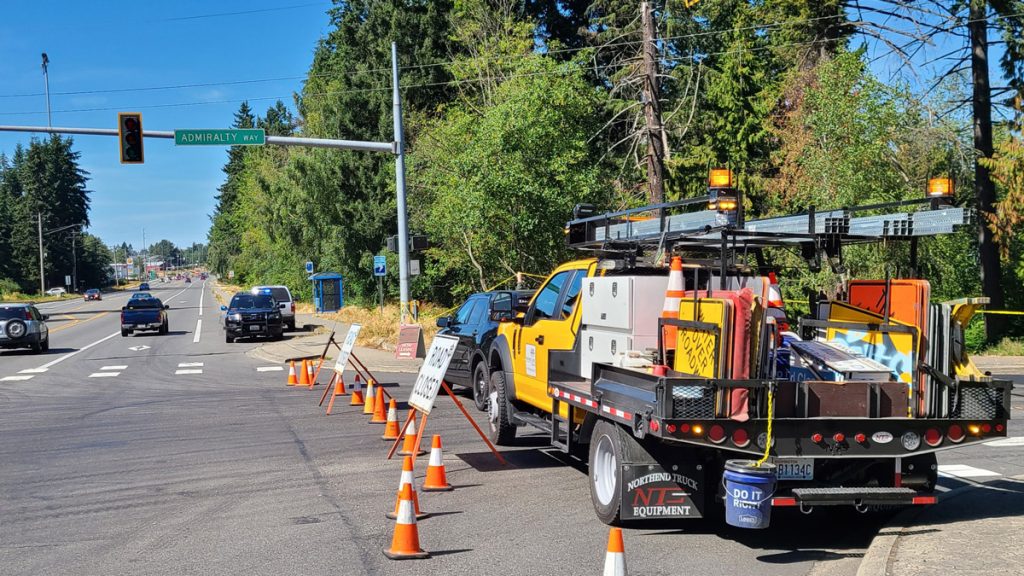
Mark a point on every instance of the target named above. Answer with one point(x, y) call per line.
point(327, 296)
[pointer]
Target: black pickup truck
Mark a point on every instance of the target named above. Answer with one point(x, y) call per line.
point(144, 314)
point(250, 315)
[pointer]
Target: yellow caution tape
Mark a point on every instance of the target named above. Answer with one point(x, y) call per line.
point(1007, 312)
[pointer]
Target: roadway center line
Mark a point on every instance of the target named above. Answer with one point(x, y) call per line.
point(199, 329)
point(16, 378)
point(82, 349)
point(32, 371)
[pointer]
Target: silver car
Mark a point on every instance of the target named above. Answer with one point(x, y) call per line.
point(23, 326)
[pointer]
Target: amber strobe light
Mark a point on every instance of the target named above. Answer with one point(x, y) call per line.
point(720, 178)
point(940, 187)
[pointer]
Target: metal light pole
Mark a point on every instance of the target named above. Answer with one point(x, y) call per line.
point(46, 84)
point(42, 275)
point(403, 230)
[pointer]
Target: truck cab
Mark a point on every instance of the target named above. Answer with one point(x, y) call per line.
point(519, 357)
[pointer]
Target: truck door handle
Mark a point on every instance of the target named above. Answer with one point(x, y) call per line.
point(539, 339)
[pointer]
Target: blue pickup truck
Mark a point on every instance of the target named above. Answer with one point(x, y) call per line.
point(144, 314)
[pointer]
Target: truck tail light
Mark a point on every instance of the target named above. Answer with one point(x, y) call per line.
point(839, 437)
point(955, 433)
point(986, 428)
point(740, 438)
point(817, 438)
point(999, 428)
point(28, 315)
point(861, 438)
point(293, 306)
point(716, 434)
point(933, 437)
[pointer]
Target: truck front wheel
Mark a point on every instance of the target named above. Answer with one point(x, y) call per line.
point(605, 471)
point(503, 432)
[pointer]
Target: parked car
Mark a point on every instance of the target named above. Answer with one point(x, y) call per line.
point(475, 324)
point(56, 292)
point(144, 286)
point(252, 315)
point(92, 294)
point(283, 296)
point(23, 326)
point(144, 314)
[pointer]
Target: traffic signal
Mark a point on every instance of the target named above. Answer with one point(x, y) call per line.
point(129, 134)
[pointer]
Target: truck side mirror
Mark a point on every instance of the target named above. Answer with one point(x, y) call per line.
point(223, 308)
point(444, 321)
point(502, 316)
point(167, 306)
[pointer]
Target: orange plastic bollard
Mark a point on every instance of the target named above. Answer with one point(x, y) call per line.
point(357, 393)
point(407, 479)
point(292, 378)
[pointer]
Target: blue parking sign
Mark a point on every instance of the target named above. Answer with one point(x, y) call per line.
point(309, 267)
point(380, 266)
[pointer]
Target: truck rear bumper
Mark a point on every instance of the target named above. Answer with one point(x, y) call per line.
point(857, 497)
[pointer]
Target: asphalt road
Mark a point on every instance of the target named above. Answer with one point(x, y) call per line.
point(189, 457)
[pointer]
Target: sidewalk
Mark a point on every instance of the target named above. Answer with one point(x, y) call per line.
point(973, 530)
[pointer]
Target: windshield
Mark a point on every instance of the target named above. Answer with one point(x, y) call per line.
point(93, 291)
point(244, 301)
point(143, 303)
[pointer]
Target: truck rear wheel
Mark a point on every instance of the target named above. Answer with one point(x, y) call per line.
point(503, 432)
point(605, 471)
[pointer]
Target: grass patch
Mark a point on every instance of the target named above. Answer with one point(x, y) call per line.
point(1006, 347)
point(380, 329)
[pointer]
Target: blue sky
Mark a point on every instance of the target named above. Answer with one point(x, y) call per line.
point(110, 45)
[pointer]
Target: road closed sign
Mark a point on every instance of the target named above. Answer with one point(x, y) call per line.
point(428, 381)
point(346, 348)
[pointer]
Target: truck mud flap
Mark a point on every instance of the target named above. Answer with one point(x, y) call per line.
point(649, 491)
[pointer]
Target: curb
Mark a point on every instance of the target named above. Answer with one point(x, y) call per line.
point(876, 558)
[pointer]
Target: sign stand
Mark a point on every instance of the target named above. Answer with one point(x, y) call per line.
point(357, 366)
point(429, 383)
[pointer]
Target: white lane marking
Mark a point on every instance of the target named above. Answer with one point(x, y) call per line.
point(15, 378)
point(202, 294)
point(82, 349)
point(179, 372)
point(964, 471)
point(199, 331)
point(190, 364)
point(32, 371)
point(138, 348)
point(269, 368)
point(1011, 441)
point(942, 488)
point(104, 374)
point(109, 368)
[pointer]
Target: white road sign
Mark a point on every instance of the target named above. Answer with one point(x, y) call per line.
point(428, 382)
point(346, 348)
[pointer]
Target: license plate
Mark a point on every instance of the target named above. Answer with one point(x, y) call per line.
point(794, 468)
point(255, 328)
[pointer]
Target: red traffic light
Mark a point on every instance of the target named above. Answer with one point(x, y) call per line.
point(129, 135)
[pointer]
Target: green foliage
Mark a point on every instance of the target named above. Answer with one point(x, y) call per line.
point(495, 186)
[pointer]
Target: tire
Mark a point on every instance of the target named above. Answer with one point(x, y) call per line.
point(46, 343)
point(480, 386)
point(499, 416)
point(605, 471)
point(124, 333)
point(37, 346)
point(291, 326)
point(16, 329)
point(228, 338)
point(164, 329)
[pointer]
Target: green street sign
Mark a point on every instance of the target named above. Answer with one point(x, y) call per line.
point(216, 137)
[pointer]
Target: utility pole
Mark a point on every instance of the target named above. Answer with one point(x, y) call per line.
point(984, 189)
point(74, 260)
point(652, 109)
point(46, 85)
point(42, 277)
point(403, 231)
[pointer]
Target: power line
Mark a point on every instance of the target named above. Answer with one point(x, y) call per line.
point(241, 12)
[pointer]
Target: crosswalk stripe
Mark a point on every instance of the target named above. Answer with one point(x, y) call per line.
point(179, 372)
point(104, 374)
point(33, 371)
point(16, 378)
point(965, 471)
point(269, 368)
point(189, 364)
point(107, 368)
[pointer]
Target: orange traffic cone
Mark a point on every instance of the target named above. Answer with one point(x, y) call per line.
point(379, 416)
point(304, 373)
point(339, 390)
point(405, 543)
point(409, 441)
point(673, 296)
point(391, 427)
point(370, 399)
point(357, 393)
point(436, 481)
point(311, 374)
point(406, 479)
point(615, 558)
point(292, 379)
